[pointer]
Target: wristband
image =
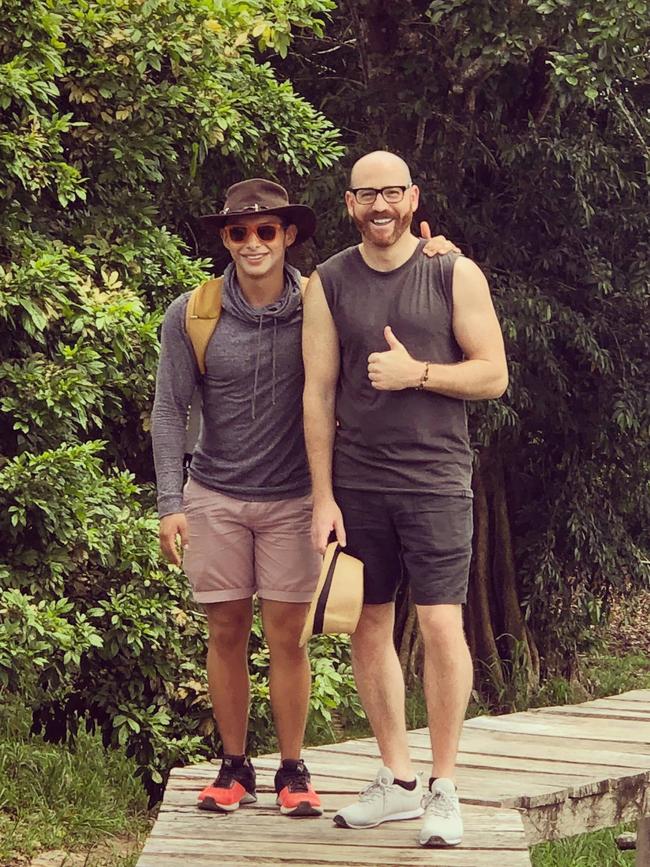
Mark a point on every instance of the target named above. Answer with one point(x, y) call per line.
point(425, 376)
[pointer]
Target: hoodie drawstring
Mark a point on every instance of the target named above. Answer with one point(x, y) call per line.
point(257, 366)
point(257, 363)
point(275, 328)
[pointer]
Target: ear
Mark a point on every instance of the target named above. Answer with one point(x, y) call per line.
point(415, 196)
point(290, 234)
point(224, 238)
point(349, 201)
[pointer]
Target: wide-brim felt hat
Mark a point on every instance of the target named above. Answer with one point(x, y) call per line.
point(338, 599)
point(261, 196)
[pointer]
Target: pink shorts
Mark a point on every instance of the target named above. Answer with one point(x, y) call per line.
point(237, 547)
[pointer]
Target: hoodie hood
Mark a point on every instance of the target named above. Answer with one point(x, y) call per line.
point(235, 303)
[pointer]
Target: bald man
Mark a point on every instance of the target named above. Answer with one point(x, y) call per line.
point(394, 343)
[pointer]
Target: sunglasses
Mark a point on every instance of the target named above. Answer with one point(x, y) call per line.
point(264, 232)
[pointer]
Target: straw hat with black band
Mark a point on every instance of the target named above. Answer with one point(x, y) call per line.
point(260, 196)
point(337, 601)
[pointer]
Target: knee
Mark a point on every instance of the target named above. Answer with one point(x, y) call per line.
point(284, 645)
point(442, 632)
point(228, 633)
point(283, 623)
point(373, 636)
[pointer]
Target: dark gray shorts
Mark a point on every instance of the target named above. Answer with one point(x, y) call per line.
point(425, 537)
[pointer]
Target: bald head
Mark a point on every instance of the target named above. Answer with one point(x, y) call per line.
point(379, 169)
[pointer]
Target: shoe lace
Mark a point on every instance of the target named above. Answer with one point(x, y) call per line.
point(439, 804)
point(298, 780)
point(225, 777)
point(373, 791)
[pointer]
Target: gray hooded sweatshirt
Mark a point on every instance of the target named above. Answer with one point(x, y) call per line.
point(251, 445)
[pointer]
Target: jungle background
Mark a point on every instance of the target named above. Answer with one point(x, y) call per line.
point(526, 126)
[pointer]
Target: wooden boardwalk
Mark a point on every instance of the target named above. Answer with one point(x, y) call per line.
point(522, 778)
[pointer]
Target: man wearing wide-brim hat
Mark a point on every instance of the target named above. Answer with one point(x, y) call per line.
point(243, 518)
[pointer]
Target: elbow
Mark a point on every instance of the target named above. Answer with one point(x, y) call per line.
point(500, 384)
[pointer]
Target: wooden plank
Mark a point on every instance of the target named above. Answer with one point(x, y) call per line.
point(634, 695)
point(555, 726)
point(505, 743)
point(475, 818)
point(619, 704)
point(596, 712)
point(439, 858)
point(263, 829)
point(291, 852)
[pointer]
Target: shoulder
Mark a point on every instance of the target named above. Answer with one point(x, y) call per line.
point(454, 271)
point(470, 286)
point(441, 262)
point(178, 305)
point(175, 313)
point(464, 267)
point(467, 275)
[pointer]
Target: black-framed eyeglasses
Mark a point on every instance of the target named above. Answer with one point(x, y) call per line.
point(391, 195)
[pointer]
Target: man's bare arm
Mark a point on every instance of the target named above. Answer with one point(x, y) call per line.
point(482, 374)
point(320, 348)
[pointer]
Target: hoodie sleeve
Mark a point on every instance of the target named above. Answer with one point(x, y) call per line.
point(177, 377)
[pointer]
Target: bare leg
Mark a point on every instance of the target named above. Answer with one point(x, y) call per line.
point(380, 684)
point(290, 673)
point(447, 681)
point(229, 625)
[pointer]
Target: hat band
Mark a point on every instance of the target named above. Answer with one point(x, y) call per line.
point(255, 208)
point(319, 616)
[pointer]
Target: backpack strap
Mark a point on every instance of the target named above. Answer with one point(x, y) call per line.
point(201, 317)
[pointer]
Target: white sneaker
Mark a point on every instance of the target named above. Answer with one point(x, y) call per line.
point(443, 825)
point(382, 801)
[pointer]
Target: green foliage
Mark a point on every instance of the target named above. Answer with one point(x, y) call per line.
point(585, 850)
point(609, 675)
point(118, 122)
point(96, 629)
point(333, 695)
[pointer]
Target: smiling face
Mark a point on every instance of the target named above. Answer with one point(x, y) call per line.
point(382, 223)
point(253, 256)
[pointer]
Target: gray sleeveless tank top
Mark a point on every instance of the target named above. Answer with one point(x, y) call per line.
point(396, 441)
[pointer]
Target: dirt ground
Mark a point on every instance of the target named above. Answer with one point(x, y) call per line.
point(108, 853)
point(629, 626)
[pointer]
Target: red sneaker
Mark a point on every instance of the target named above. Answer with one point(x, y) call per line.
point(235, 785)
point(296, 796)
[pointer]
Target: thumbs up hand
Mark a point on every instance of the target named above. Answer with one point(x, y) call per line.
point(393, 369)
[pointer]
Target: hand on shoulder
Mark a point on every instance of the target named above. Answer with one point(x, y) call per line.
point(438, 245)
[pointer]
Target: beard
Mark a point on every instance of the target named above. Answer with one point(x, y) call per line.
point(377, 238)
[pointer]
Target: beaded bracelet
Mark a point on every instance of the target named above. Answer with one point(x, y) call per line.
point(425, 376)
